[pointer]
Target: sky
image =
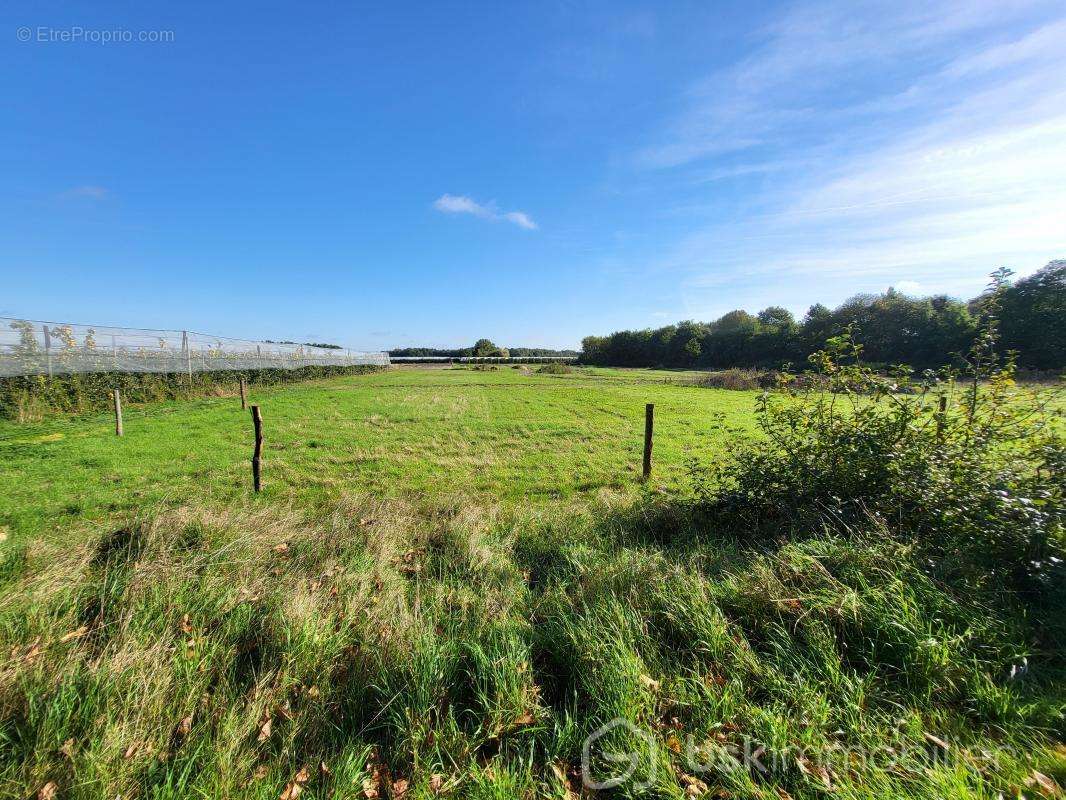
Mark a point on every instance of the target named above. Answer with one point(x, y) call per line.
point(397, 174)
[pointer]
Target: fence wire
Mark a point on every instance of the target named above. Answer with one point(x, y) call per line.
point(32, 347)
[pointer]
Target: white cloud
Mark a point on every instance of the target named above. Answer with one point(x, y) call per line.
point(460, 204)
point(520, 219)
point(912, 288)
point(943, 178)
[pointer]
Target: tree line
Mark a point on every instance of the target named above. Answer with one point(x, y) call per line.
point(481, 348)
point(893, 328)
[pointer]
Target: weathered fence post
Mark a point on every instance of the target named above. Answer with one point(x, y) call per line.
point(118, 412)
point(941, 413)
point(48, 348)
point(244, 402)
point(188, 353)
point(649, 424)
point(257, 421)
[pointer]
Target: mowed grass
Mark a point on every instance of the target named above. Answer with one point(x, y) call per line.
point(507, 435)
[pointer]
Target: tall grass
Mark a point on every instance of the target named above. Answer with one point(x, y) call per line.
point(469, 650)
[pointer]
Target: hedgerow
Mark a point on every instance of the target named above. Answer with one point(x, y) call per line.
point(27, 398)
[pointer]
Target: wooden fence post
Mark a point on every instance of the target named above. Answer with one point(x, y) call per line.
point(118, 412)
point(941, 413)
point(244, 402)
point(257, 420)
point(649, 424)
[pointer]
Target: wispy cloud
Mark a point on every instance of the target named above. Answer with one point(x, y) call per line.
point(919, 143)
point(460, 204)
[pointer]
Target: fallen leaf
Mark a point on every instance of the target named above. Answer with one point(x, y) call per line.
point(1047, 786)
point(48, 791)
point(399, 788)
point(436, 782)
point(525, 718)
point(84, 629)
point(281, 548)
point(130, 751)
point(186, 625)
point(295, 787)
point(783, 794)
point(258, 774)
point(937, 741)
point(811, 769)
point(264, 725)
point(649, 683)
point(183, 728)
point(673, 743)
point(33, 650)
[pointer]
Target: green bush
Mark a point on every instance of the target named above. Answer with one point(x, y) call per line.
point(555, 368)
point(968, 467)
point(27, 398)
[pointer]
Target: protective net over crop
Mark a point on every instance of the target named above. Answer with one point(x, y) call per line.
point(29, 347)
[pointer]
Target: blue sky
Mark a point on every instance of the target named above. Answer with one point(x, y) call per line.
point(397, 174)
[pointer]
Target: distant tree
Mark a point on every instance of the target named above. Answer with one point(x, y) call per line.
point(776, 317)
point(1033, 318)
point(485, 347)
point(892, 328)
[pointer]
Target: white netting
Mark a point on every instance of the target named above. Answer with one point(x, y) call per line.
point(29, 347)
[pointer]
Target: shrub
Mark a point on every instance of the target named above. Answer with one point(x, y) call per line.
point(555, 368)
point(968, 467)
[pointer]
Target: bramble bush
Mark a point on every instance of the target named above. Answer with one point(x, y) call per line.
point(965, 464)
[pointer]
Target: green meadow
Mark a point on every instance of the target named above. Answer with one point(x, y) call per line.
point(506, 435)
point(455, 584)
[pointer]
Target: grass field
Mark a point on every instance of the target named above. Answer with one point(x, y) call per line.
point(453, 578)
point(510, 435)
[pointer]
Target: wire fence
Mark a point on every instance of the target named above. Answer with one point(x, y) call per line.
point(32, 347)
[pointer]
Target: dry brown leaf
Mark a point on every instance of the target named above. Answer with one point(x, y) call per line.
point(323, 769)
point(673, 743)
point(295, 787)
point(399, 788)
point(1045, 784)
point(436, 782)
point(186, 625)
point(811, 769)
point(130, 751)
point(370, 791)
point(48, 791)
point(650, 683)
point(84, 629)
point(265, 722)
point(33, 650)
point(937, 741)
point(526, 718)
point(783, 794)
point(184, 728)
point(281, 548)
